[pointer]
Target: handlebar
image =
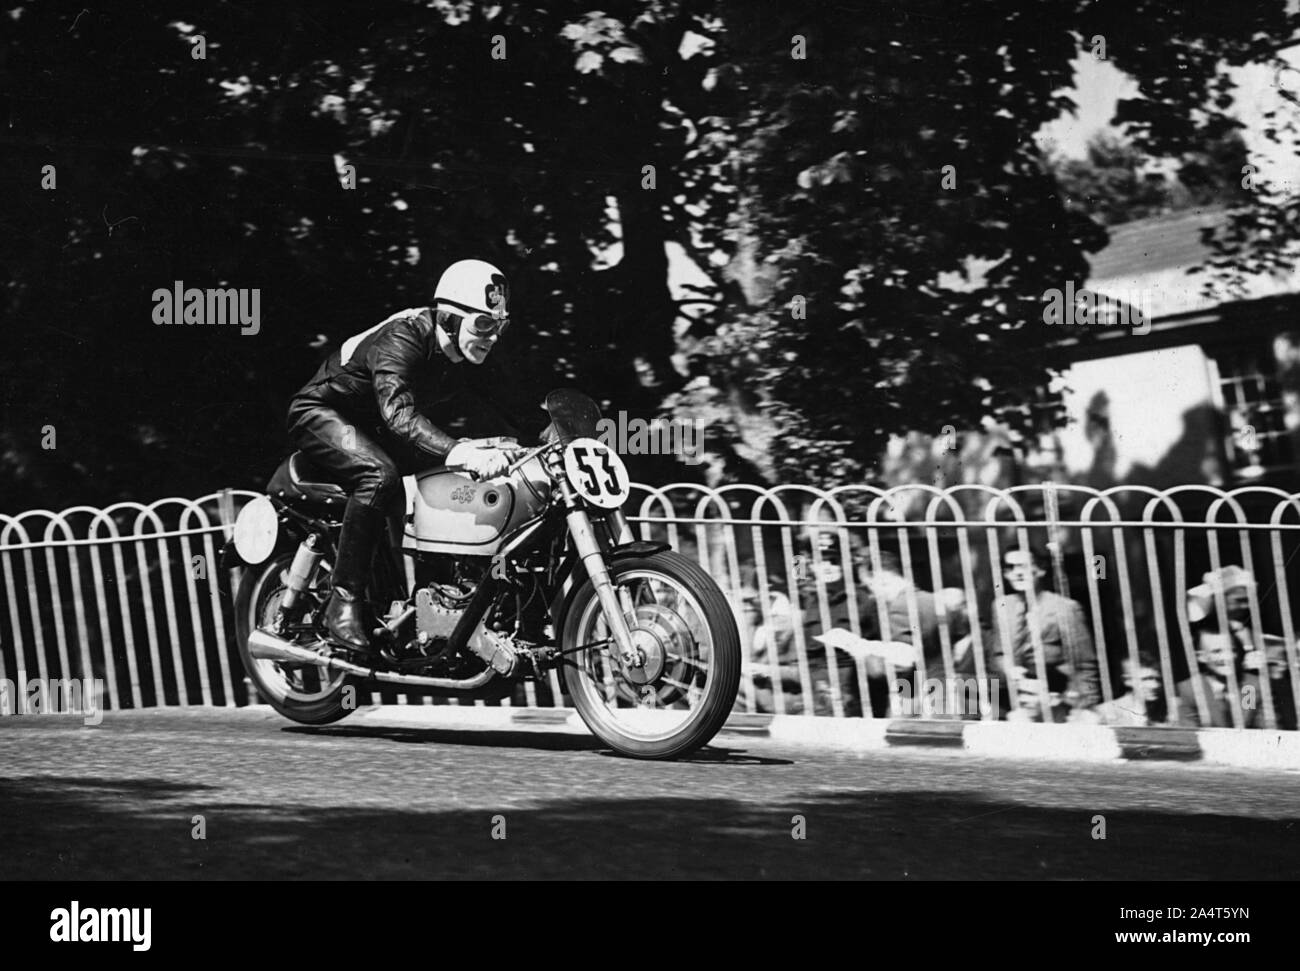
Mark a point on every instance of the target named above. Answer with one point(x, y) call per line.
point(528, 456)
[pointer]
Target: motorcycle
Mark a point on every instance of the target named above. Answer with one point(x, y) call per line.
point(534, 571)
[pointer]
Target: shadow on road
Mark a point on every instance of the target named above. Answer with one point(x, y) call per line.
point(714, 755)
point(542, 741)
point(87, 829)
point(496, 738)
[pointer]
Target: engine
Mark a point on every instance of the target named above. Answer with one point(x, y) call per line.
point(517, 622)
point(438, 608)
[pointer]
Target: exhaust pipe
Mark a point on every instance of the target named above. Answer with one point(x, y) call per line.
point(268, 647)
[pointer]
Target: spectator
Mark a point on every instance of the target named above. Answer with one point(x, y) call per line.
point(888, 586)
point(1279, 672)
point(1235, 584)
point(1069, 658)
point(1217, 655)
point(822, 585)
point(1029, 700)
point(1265, 653)
point(1225, 647)
point(1143, 701)
point(774, 651)
point(774, 654)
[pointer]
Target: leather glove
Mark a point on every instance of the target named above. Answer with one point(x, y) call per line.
point(479, 461)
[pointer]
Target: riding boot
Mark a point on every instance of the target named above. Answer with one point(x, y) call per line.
point(344, 614)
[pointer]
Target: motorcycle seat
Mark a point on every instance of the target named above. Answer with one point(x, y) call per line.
point(298, 480)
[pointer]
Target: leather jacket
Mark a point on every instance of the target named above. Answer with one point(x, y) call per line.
point(371, 379)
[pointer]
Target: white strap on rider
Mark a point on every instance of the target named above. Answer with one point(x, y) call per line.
point(352, 343)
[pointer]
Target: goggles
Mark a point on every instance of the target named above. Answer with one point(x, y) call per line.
point(485, 325)
point(481, 324)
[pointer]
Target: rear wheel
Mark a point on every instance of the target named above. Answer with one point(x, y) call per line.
point(680, 695)
point(310, 694)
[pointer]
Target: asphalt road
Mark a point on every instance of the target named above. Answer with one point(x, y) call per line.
point(282, 801)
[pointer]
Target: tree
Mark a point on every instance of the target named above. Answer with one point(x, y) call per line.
point(860, 178)
point(1116, 183)
point(893, 159)
point(227, 170)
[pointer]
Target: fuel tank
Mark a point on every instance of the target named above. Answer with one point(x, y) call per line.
point(447, 512)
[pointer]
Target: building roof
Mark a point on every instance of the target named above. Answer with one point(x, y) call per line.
point(1157, 243)
point(1146, 263)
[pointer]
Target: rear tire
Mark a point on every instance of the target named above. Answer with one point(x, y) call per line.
point(308, 695)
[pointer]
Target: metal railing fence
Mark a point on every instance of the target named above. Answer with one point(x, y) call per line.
point(1151, 607)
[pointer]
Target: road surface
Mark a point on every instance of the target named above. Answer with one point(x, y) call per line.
point(281, 801)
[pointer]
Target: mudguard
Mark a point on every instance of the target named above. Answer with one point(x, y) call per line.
point(575, 575)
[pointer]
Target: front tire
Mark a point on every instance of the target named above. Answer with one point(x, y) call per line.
point(307, 694)
point(679, 699)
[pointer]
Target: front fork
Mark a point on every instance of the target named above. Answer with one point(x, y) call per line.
point(621, 527)
point(593, 558)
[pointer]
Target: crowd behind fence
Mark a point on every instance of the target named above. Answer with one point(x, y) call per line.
point(1047, 602)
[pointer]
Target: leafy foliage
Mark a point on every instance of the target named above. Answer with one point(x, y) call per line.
point(1116, 184)
point(819, 178)
point(225, 171)
point(838, 167)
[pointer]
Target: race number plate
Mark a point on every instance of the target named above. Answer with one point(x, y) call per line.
point(597, 472)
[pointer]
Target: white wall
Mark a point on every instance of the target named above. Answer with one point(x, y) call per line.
point(1149, 396)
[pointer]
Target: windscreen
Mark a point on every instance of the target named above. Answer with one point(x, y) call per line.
point(573, 414)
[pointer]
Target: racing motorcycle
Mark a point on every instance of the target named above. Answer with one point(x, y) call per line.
point(534, 571)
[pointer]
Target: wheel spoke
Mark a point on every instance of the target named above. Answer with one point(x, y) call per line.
point(676, 622)
point(694, 662)
point(299, 682)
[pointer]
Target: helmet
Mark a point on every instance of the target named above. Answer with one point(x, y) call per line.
point(471, 287)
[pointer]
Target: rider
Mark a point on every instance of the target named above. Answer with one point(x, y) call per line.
point(357, 420)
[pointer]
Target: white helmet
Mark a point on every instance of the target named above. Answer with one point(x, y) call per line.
point(469, 287)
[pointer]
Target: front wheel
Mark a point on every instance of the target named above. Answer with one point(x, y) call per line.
point(684, 687)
